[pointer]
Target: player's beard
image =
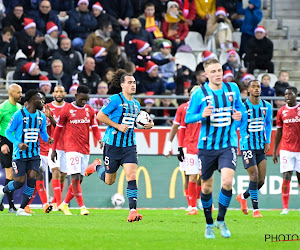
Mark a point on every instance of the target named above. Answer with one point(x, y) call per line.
point(59, 101)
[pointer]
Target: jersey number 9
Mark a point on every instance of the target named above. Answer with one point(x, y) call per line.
point(128, 121)
point(31, 137)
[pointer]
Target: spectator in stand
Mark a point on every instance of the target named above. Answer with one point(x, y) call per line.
point(80, 24)
point(57, 73)
point(31, 37)
point(62, 8)
point(121, 10)
point(149, 22)
point(253, 16)
point(130, 67)
point(282, 83)
point(206, 54)
point(183, 80)
point(8, 50)
point(174, 26)
point(122, 58)
point(231, 9)
point(107, 56)
point(151, 80)
point(199, 78)
point(97, 103)
point(165, 113)
point(266, 90)
point(204, 10)
point(87, 76)
point(44, 15)
point(219, 29)
point(259, 51)
point(167, 71)
point(188, 8)
point(68, 56)
point(136, 32)
point(51, 40)
point(246, 78)
point(233, 64)
point(103, 17)
point(73, 89)
point(15, 19)
point(108, 76)
point(244, 92)
point(149, 104)
point(45, 85)
point(228, 76)
point(30, 5)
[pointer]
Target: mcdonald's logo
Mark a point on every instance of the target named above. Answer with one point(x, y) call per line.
point(147, 181)
point(173, 183)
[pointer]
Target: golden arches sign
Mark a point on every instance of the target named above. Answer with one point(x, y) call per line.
point(147, 181)
point(173, 182)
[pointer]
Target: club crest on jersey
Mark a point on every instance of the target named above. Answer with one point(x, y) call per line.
point(230, 98)
point(106, 102)
point(264, 112)
point(247, 161)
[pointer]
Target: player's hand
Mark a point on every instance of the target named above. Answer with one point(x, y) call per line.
point(168, 148)
point(22, 146)
point(5, 149)
point(50, 140)
point(207, 111)
point(47, 111)
point(267, 148)
point(149, 125)
point(100, 144)
point(123, 128)
point(180, 154)
point(275, 158)
point(53, 156)
point(237, 115)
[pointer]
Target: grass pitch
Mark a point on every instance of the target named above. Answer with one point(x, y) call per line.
point(159, 229)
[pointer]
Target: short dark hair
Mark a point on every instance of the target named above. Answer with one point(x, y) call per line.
point(294, 89)
point(249, 83)
point(83, 89)
point(104, 24)
point(30, 93)
point(149, 3)
point(7, 29)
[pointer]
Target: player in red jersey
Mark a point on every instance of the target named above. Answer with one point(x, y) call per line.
point(77, 117)
point(44, 150)
point(288, 132)
point(58, 168)
point(188, 136)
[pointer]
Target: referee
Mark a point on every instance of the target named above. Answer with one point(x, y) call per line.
point(7, 109)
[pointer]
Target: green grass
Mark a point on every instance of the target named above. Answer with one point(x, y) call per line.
point(159, 229)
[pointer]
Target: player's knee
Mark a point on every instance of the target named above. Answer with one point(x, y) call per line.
point(254, 176)
point(55, 173)
point(110, 181)
point(193, 178)
point(227, 184)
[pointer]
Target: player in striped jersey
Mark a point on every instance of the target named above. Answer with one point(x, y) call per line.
point(119, 113)
point(26, 124)
point(255, 129)
point(217, 105)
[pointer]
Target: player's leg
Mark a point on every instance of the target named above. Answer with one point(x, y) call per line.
point(199, 203)
point(192, 190)
point(10, 195)
point(40, 186)
point(186, 190)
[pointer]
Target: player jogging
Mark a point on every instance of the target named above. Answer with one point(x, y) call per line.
point(77, 117)
point(255, 130)
point(288, 133)
point(119, 113)
point(23, 131)
point(7, 109)
point(215, 104)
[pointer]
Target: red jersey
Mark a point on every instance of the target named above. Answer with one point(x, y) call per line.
point(45, 146)
point(55, 110)
point(288, 118)
point(178, 116)
point(191, 135)
point(77, 121)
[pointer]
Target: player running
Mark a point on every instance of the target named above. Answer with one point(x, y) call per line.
point(77, 117)
point(7, 109)
point(23, 131)
point(119, 113)
point(59, 167)
point(255, 130)
point(288, 133)
point(215, 104)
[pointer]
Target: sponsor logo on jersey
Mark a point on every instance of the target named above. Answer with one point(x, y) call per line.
point(292, 120)
point(80, 121)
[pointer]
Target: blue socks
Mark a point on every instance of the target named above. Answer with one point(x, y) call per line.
point(132, 194)
point(253, 190)
point(28, 192)
point(207, 200)
point(101, 172)
point(224, 201)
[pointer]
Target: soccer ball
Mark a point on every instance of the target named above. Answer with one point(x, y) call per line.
point(142, 119)
point(117, 200)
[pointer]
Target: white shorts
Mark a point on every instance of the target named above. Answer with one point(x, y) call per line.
point(77, 162)
point(289, 161)
point(182, 164)
point(60, 163)
point(192, 164)
point(44, 163)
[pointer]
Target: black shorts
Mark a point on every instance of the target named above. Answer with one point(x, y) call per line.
point(20, 166)
point(6, 159)
point(212, 160)
point(114, 156)
point(253, 157)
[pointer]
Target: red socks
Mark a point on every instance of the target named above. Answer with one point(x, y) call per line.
point(57, 191)
point(192, 189)
point(77, 192)
point(40, 186)
point(285, 193)
point(198, 191)
point(70, 194)
point(187, 196)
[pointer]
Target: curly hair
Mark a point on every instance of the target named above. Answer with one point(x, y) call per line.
point(119, 77)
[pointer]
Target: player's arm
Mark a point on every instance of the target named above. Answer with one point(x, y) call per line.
point(62, 120)
point(49, 115)
point(238, 106)
point(43, 132)
point(268, 128)
point(193, 113)
point(278, 135)
point(96, 130)
point(168, 146)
